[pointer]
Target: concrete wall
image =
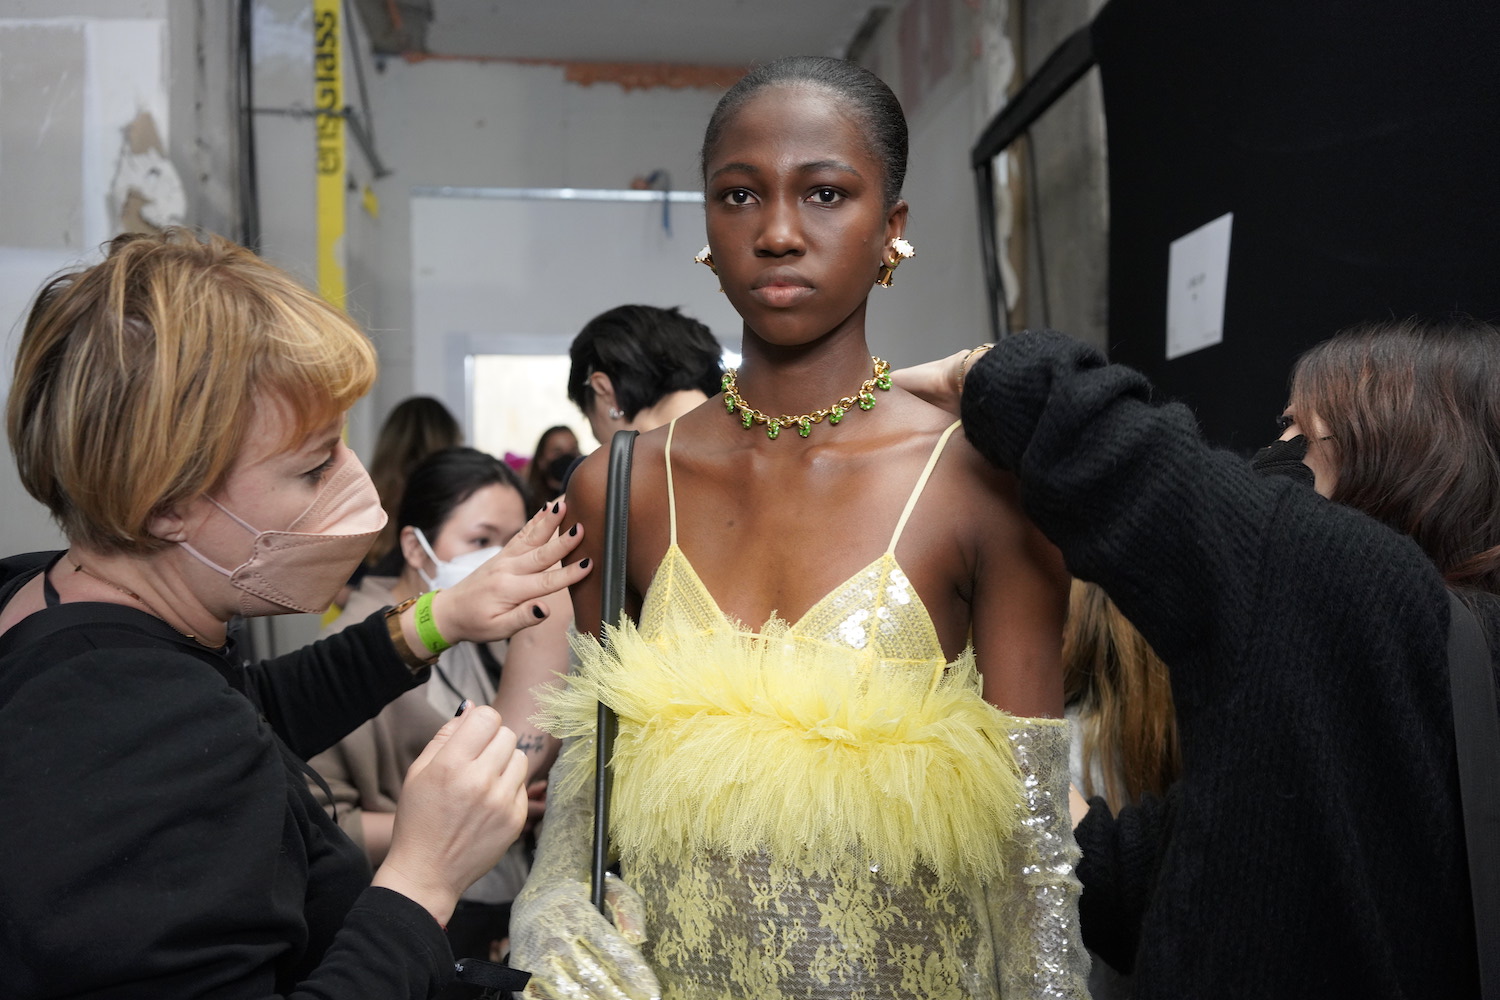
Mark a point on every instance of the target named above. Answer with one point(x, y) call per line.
point(73, 75)
point(443, 122)
point(1067, 204)
point(952, 63)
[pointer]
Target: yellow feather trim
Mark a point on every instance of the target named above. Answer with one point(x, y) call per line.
point(734, 743)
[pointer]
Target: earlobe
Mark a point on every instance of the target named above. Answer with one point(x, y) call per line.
point(603, 387)
point(167, 525)
point(411, 549)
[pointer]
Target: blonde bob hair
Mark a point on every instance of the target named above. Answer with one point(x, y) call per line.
point(135, 379)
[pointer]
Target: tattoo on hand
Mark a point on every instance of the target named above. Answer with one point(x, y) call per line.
point(530, 744)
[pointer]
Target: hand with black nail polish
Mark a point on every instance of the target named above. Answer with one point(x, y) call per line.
point(502, 596)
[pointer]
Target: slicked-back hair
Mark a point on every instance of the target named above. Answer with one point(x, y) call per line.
point(865, 95)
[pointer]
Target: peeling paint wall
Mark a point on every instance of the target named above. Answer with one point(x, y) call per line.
point(75, 76)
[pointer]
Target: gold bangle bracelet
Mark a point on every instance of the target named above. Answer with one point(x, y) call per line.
point(963, 364)
point(416, 664)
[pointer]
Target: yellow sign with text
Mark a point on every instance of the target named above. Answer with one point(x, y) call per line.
point(328, 99)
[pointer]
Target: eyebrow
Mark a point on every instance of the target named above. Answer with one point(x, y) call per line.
point(806, 168)
point(838, 165)
point(744, 168)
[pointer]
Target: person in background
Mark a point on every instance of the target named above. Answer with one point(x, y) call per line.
point(459, 509)
point(1315, 842)
point(1119, 699)
point(638, 367)
point(1124, 731)
point(178, 408)
point(417, 427)
point(556, 451)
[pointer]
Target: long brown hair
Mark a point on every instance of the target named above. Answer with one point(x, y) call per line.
point(1412, 410)
point(417, 427)
point(1124, 695)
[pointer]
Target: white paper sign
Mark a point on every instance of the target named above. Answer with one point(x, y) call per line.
point(1197, 274)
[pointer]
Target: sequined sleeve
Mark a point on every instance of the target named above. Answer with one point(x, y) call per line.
point(1035, 907)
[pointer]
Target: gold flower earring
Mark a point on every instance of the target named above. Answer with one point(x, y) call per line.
point(706, 258)
point(900, 250)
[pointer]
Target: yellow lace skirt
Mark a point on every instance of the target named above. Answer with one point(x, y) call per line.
point(753, 928)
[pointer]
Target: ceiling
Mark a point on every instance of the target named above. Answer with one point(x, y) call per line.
point(691, 32)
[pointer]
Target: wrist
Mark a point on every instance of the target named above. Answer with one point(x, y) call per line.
point(437, 901)
point(424, 620)
point(966, 363)
point(401, 624)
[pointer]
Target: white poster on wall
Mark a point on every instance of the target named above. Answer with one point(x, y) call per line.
point(1197, 276)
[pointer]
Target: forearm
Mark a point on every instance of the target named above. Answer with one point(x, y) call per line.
point(535, 660)
point(1045, 956)
point(317, 695)
point(556, 934)
point(1121, 858)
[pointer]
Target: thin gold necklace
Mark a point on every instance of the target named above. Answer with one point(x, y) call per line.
point(750, 416)
point(79, 567)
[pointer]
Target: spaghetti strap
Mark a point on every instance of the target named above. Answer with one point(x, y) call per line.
point(671, 494)
point(916, 493)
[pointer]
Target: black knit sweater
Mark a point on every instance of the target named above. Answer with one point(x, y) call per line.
point(1314, 845)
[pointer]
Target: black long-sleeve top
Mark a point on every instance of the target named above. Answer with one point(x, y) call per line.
point(157, 838)
point(1315, 843)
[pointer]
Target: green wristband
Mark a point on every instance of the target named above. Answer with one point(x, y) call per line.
point(427, 629)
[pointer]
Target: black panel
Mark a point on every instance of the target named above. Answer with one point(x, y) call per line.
point(1356, 143)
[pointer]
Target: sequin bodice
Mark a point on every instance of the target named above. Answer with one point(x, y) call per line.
point(876, 611)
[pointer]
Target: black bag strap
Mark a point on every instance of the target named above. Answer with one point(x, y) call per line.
point(1476, 730)
point(612, 610)
point(494, 978)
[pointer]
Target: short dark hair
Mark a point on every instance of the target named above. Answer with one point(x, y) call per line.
point(445, 479)
point(1413, 411)
point(878, 111)
point(648, 353)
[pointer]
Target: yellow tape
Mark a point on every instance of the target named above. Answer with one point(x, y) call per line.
point(328, 97)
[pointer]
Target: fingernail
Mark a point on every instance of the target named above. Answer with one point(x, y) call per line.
point(556, 507)
point(536, 609)
point(583, 563)
point(573, 531)
point(461, 707)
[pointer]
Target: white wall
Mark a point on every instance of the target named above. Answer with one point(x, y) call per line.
point(440, 122)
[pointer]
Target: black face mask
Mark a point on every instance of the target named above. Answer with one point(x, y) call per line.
point(557, 472)
point(1284, 458)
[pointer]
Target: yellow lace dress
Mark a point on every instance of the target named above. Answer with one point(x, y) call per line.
point(826, 808)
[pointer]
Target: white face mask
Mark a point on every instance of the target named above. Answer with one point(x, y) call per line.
point(451, 571)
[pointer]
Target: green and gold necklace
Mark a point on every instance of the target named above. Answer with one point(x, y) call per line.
point(750, 416)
